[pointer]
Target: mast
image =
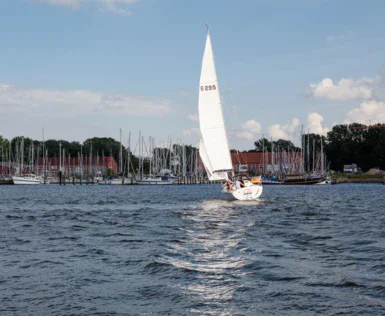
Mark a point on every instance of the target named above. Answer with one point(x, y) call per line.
point(22, 154)
point(64, 168)
point(129, 154)
point(90, 163)
point(308, 151)
point(322, 157)
point(263, 153)
point(313, 154)
point(272, 157)
point(121, 154)
point(81, 160)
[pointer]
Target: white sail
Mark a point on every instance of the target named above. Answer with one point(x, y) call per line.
point(213, 148)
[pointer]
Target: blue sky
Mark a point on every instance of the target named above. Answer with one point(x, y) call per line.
point(86, 68)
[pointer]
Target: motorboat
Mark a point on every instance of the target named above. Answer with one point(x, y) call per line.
point(27, 179)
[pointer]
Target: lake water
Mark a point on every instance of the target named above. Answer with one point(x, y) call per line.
point(181, 250)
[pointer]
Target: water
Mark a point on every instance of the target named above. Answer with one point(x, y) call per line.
point(99, 250)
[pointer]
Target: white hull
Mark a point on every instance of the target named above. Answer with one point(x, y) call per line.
point(26, 181)
point(248, 193)
point(327, 181)
point(114, 182)
point(154, 182)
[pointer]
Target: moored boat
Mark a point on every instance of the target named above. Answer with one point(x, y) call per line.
point(114, 181)
point(27, 179)
point(301, 179)
point(165, 180)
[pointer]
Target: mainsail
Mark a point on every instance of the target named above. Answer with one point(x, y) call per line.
point(213, 147)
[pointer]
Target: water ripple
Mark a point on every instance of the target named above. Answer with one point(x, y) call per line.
point(181, 250)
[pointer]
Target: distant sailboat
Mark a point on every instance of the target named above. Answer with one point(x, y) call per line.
point(213, 146)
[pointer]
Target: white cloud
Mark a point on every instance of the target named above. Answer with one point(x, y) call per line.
point(314, 124)
point(245, 135)
point(335, 37)
point(345, 89)
point(369, 112)
point(252, 126)
point(249, 129)
point(75, 102)
point(338, 37)
point(289, 131)
point(193, 117)
point(114, 6)
point(72, 3)
point(191, 131)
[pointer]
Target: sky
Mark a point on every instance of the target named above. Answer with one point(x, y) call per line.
point(86, 68)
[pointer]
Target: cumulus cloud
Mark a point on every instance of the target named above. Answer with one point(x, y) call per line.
point(53, 102)
point(245, 135)
point(345, 89)
point(191, 131)
point(193, 117)
point(314, 124)
point(338, 37)
point(248, 130)
point(114, 6)
point(369, 112)
point(335, 37)
point(289, 131)
point(252, 126)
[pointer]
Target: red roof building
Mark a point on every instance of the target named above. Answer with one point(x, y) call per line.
point(264, 163)
point(85, 166)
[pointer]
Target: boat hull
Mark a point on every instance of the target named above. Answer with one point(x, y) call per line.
point(114, 182)
point(325, 182)
point(6, 182)
point(249, 193)
point(303, 182)
point(24, 181)
point(149, 182)
point(271, 182)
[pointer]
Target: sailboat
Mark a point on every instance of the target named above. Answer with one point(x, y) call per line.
point(213, 146)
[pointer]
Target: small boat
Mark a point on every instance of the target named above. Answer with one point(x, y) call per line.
point(165, 180)
point(114, 181)
point(27, 179)
point(326, 181)
point(270, 181)
point(242, 189)
point(6, 181)
point(301, 179)
point(213, 146)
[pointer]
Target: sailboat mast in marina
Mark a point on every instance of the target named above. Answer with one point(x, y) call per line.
point(213, 146)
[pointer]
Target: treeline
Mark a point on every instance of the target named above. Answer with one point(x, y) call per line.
point(344, 144)
point(105, 145)
point(356, 143)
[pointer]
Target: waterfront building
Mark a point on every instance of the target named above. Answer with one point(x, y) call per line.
point(266, 163)
point(76, 166)
point(350, 168)
point(69, 166)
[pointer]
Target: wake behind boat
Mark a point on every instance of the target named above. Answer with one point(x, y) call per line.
point(213, 146)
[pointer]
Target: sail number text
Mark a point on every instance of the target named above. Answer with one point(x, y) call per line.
point(208, 88)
